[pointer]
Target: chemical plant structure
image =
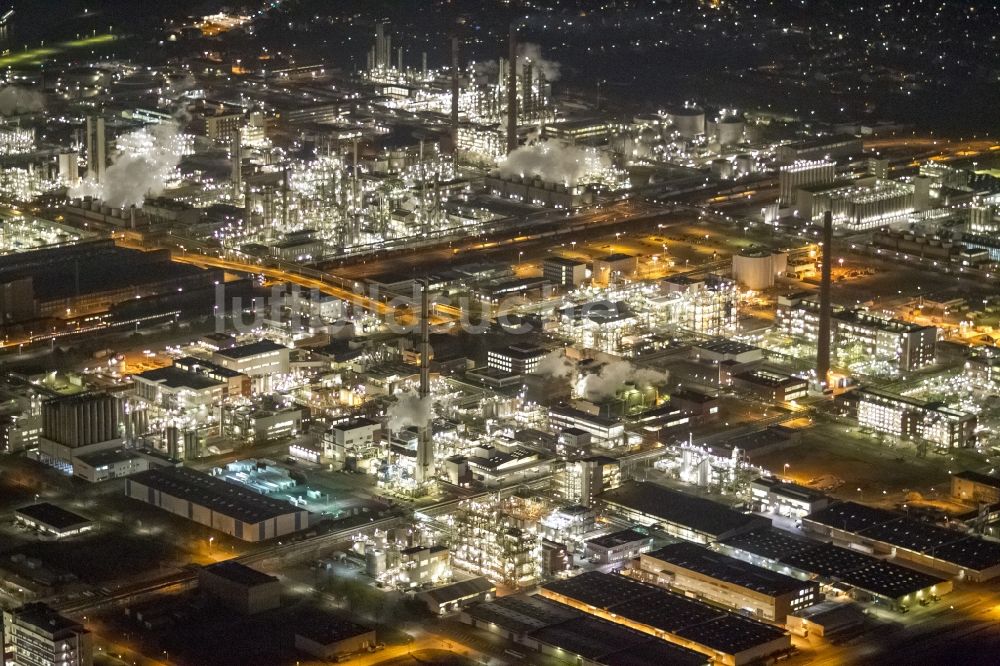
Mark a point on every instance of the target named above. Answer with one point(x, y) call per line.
point(441, 331)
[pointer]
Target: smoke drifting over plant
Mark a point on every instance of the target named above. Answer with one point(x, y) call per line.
point(555, 162)
point(15, 100)
point(409, 410)
point(528, 52)
point(612, 377)
point(556, 365)
point(142, 165)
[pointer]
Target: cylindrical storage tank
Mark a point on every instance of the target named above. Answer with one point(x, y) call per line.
point(754, 269)
point(722, 168)
point(689, 121)
point(375, 562)
point(745, 164)
point(729, 131)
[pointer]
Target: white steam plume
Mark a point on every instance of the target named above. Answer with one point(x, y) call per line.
point(606, 382)
point(486, 68)
point(555, 162)
point(15, 99)
point(528, 52)
point(142, 164)
point(409, 410)
point(555, 365)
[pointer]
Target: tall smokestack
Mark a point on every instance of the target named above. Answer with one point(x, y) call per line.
point(102, 149)
point(236, 151)
point(90, 148)
point(825, 307)
point(512, 91)
point(454, 92)
point(96, 148)
point(425, 448)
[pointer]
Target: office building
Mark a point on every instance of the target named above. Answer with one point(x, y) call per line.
point(608, 432)
point(36, 635)
point(174, 388)
point(109, 464)
point(516, 359)
point(566, 273)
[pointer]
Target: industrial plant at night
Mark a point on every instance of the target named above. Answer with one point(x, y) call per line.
point(503, 332)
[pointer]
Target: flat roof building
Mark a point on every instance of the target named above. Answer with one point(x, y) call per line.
point(771, 495)
point(723, 637)
point(516, 359)
point(259, 360)
point(771, 386)
point(868, 578)
point(943, 550)
point(53, 520)
point(227, 507)
point(720, 579)
point(975, 487)
point(36, 635)
point(564, 272)
point(618, 546)
point(681, 515)
point(240, 588)
point(328, 637)
point(109, 464)
point(906, 417)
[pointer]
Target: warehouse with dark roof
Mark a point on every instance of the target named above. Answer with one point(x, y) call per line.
point(681, 515)
point(223, 506)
